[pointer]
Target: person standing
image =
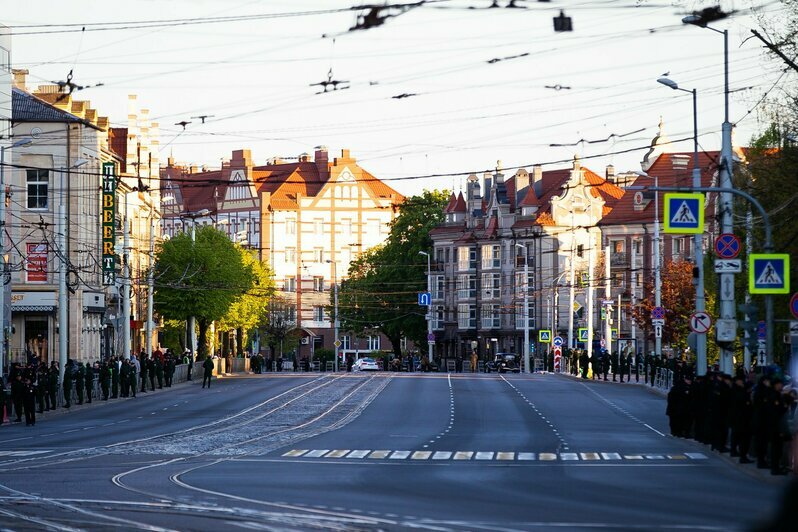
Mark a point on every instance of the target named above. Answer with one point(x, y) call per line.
point(115, 367)
point(151, 372)
point(80, 381)
point(17, 394)
point(143, 372)
point(761, 399)
point(69, 373)
point(741, 408)
point(52, 385)
point(42, 381)
point(208, 371)
point(629, 364)
point(473, 361)
point(777, 433)
point(105, 379)
point(89, 380)
point(29, 402)
point(159, 372)
point(124, 378)
point(133, 377)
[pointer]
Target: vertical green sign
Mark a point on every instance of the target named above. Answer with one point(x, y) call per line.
point(108, 220)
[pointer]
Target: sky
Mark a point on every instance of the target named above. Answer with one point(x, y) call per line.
point(479, 85)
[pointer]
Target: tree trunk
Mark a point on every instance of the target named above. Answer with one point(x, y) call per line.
point(203, 332)
point(396, 344)
point(240, 341)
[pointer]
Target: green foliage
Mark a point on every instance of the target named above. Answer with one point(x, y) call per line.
point(280, 332)
point(324, 355)
point(678, 300)
point(250, 309)
point(380, 292)
point(201, 278)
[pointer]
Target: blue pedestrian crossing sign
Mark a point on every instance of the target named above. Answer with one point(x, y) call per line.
point(769, 273)
point(424, 299)
point(582, 337)
point(684, 213)
point(544, 336)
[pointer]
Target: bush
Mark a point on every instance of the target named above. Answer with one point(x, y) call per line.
point(324, 355)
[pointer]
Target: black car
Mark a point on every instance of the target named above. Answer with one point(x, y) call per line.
point(503, 362)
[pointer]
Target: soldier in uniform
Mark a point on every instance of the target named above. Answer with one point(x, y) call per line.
point(584, 363)
point(80, 376)
point(605, 364)
point(17, 393)
point(622, 365)
point(629, 364)
point(124, 377)
point(169, 370)
point(105, 379)
point(144, 364)
point(614, 363)
point(208, 371)
point(52, 384)
point(42, 381)
point(89, 379)
point(133, 377)
point(114, 378)
point(67, 384)
point(151, 371)
point(29, 401)
point(159, 372)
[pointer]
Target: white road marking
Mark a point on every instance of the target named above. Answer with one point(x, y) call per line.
point(569, 456)
point(652, 428)
point(421, 455)
point(358, 454)
point(484, 455)
point(696, 456)
point(296, 452)
point(338, 453)
point(318, 453)
point(505, 456)
point(379, 454)
point(611, 456)
point(590, 456)
point(399, 455)
point(441, 455)
point(463, 455)
point(526, 456)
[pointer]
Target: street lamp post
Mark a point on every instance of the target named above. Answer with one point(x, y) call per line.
point(336, 322)
point(430, 342)
point(17, 144)
point(525, 284)
point(698, 242)
point(726, 280)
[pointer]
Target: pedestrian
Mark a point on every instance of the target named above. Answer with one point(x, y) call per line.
point(89, 379)
point(66, 386)
point(80, 381)
point(473, 361)
point(584, 364)
point(29, 402)
point(629, 364)
point(151, 371)
point(52, 384)
point(621, 366)
point(761, 398)
point(115, 377)
point(208, 367)
point(169, 370)
point(133, 377)
point(41, 388)
point(741, 419)
point(17, 395)
point(777, 427)
point(143, 372)
point(605, 363)
point(159, 372)
point(124, 378)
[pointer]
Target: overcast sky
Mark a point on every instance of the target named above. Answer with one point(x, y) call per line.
point(462, 112)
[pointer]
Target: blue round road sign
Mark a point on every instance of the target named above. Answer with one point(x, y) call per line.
point(794, 305)
point(727, 246)
point(557, 341)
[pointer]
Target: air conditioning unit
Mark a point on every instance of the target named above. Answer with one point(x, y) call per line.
point(305, 340)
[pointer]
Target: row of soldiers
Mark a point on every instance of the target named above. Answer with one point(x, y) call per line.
point(37, 385)
point(738, 415)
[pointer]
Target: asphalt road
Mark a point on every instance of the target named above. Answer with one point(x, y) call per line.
point(368, 452)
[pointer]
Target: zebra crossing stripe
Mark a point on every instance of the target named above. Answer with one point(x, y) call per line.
point(633, 457)
point(339, 453)
point(655, 457)
point(379, 454)
point(568, 456)
point(357, 454)
point(421, 455)
point(611, 456)
point(505, 456)
point(318, 453)
point(696, 456)
point(677, 457)
point(296, 452)
point(463, 455)
point(526, 456)
point(547, 457)
point(589, 456)
point(399, 455)
point(484, 455)
point(441, 455)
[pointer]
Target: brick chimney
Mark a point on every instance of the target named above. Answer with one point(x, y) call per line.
point(20, 78)
point(322, 159)
point(610, 173)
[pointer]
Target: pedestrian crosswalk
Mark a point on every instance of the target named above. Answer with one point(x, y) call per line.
point(24, 452)
point(490, 456)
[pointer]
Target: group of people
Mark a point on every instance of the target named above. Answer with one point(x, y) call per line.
point(752, 419)
point(34, 386)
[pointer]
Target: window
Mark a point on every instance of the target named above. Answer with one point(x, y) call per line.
point(289, 285)
point(466, 258)
point(466, 316)
point(438, 286)
point(638, 245)
point(38, 182)
point(318, 313)
point(580, 250)
point(346, 342)
point(290, 314)
point(491, 319)
point(318, 255)
point(519, 316)
point(617, 246)
point(491, 285)
point(439, 255)
point(290, 255)
point(520, 286)
point(290, 226)
point(491, 256)
point(318, 284)
point(466, 286)
point(373, 343)
point(437, 317)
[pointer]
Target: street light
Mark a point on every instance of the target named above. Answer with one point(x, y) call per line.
point(430, 338)
point(727, 310)
point(336, 323)
point(525, 284)
point(18, 144)
point(698, 240)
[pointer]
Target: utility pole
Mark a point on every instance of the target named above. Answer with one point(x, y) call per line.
point(430, 342)
point(126, 284)
point(590, 266)
point(657, 266)
point(151, 282)
point(336, 322)
point(607, 297)
point(572, 291)
point(632, 299)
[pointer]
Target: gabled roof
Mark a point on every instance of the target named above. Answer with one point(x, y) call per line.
point(623, 210)
point(26, 107)
point(456, 204)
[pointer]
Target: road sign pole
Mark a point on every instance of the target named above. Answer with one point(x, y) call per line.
point(657, 280)
point(698, 243)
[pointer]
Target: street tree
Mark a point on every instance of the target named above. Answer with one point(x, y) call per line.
point(250, 309)
point(280, 332)
point(380, 292)
point(200, 278)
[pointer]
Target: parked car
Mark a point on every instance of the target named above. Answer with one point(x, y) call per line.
point(365, 364)
point(502, 363)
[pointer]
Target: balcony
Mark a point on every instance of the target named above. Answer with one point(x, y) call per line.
point(619, 259)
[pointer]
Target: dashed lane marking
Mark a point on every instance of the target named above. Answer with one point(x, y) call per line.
point(505, 456)
point(25, 453)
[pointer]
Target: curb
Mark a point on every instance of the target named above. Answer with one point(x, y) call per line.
point(653, 389)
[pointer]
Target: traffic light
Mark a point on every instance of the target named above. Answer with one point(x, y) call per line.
point(750, 326)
